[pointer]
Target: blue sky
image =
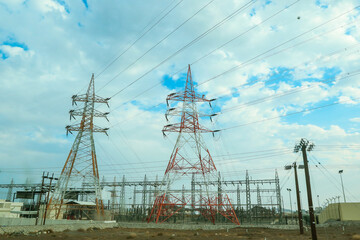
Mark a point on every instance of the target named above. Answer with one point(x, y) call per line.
point(50, 48)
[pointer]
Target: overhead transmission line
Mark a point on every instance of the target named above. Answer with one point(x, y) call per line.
point(333, 147)
point(137, 39)
point(337, 184)
point(263, 21)
point(267, 79)
point(158, 43)
point(287, 93)
point(241, 34)
point(233, 14)
point(256, 58)
point(158, 170)
point(279, 45)
point(242, 156)
point(257, 80)
point(140, 37)
point(289, 114)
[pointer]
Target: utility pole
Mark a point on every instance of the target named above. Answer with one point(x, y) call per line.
point(304, 146)
point(301, 226)
point(47, 197)
point(40, 195)
point(342, 184)
point(298, 199)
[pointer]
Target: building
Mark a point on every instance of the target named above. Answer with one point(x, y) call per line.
point(340, 212)
point(10, 209)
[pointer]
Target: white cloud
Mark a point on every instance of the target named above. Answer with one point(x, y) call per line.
point(346, 100)
point(355, 119)
point(62, 55)
point(49, 6)
point(15, 51)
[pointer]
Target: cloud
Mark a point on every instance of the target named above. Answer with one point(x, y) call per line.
point(355, 119)
point(58, 44)
point(53, 5)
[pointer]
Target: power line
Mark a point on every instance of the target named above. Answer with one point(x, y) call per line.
point(289, 114)
point(252, 82)
point(233, 14)
point(241, 34)
point(140, 37)
point(286, 93)
point(256, 59)
point(281, 44)
point(253, 155)
point(158, 43)
point(330, 174)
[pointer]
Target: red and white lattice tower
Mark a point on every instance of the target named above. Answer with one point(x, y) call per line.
point(190, 162)
point(79, 179)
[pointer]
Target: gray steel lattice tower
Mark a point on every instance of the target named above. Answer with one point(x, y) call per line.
point(278, 194)
point(248, 197)
point(81, 163)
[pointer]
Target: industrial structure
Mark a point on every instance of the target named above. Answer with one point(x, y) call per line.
point(192, 190)
point(190, 159)
point(81, 164)
point(255, 201)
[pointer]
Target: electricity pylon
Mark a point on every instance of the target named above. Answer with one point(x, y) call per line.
point(81, 164)
point(190, 161)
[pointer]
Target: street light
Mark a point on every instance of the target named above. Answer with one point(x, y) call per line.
point(298, 197)
point(318, 201)
point(342, 184)
point(289, 190)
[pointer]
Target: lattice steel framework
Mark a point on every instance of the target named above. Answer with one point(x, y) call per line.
point(190, 159)
point(81, 164)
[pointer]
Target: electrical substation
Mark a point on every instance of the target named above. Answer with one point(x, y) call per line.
point(215, 120)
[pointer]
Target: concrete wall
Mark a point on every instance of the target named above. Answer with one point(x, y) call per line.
point(350, 211)
point(7, 207)
point(340, 212)
point(331, 212)
point(56, 228)
point(31, 221)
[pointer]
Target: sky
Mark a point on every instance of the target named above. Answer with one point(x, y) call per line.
point(280, 71)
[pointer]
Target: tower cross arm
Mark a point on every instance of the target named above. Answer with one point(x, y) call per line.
point(80, 112)
point(187, 96)
point(179, 112)
point(84, 98)
point(177, 127)
point(78, 127)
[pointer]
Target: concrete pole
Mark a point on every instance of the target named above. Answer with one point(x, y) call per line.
point(40, 195)
point(309, 195)
point(301, 226)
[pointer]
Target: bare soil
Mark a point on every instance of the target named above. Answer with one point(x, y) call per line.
point(333, 232)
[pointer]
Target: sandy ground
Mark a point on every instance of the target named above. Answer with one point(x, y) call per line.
point(334, 232)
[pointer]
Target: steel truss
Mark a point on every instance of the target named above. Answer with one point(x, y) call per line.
point(81, 165)
point(190, 159)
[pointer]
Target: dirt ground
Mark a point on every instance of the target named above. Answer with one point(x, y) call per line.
point(334, 232)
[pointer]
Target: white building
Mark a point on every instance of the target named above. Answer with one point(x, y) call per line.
point(7, 209)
